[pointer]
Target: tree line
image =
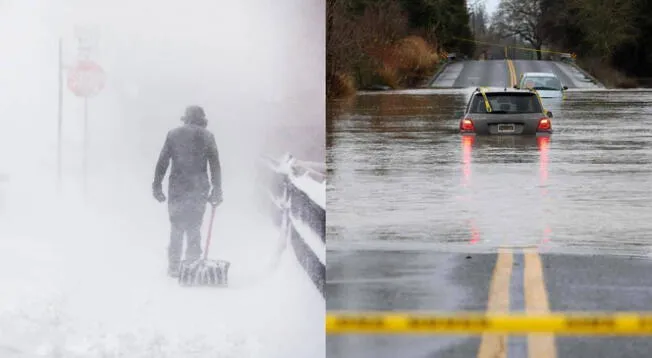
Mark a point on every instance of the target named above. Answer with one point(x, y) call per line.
point(400, 43)
point(610, 37)
point(391, 43)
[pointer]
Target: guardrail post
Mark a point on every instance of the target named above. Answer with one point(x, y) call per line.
point(285, 213)
point(295, 212)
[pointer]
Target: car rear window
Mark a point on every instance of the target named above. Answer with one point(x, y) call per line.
point(507, 103)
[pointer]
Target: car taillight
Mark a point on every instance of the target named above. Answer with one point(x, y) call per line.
point(544, 124)
point(467, 125)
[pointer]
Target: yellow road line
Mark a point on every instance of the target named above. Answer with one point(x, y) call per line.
point(512, 72)
point(495, 345)
point(536, 302)
point(509, 73)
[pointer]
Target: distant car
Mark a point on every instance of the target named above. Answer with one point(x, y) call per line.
point(546, 83)
point(505, 111)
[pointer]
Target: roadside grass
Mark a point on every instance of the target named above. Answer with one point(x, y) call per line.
point(406, 63)
point(376, 49)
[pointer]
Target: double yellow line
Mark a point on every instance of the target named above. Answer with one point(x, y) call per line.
point(541, 345)
point(512, 73)
point(497, 324)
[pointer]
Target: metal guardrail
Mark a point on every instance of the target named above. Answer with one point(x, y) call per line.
point(294, 193)
point(567, 323)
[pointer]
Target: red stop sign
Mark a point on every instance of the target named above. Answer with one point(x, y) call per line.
point(86, 79)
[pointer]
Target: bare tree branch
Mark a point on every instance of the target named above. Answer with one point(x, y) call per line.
point(520, 18)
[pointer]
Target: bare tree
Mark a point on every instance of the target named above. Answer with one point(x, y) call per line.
point(522, 19)
point(478, 17)
point(341, 45)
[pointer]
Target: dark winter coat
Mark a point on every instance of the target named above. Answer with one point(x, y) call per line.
point(190, 147)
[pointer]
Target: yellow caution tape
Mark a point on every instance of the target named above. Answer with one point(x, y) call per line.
point(622, 323)
point(573, 55)
point(487, 106)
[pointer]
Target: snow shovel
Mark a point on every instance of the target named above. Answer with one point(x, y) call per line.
point(204, 272)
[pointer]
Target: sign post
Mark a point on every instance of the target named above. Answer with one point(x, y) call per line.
point(86, 79)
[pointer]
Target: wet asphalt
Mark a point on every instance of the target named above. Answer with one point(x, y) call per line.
point(416, 214)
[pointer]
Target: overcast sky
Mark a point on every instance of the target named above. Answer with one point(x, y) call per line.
point(491, 5)
point(256, 66)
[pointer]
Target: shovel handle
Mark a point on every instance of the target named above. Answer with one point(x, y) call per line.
point(210, 231)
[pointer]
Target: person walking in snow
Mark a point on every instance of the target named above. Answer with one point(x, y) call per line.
point(189, 147)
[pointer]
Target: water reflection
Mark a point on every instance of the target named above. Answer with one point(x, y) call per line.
point(543, 143)
point(406, 106)
point(475, 233)
point(467, 147)
point(546, 235)
point(505, 150)
point(391, 116)
point(484, 153)
point(467, 151)
point(544, 147)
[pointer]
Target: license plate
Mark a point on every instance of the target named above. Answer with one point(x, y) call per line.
point(505, 128)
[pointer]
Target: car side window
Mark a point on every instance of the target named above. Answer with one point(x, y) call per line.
point(530, 104)
point(470, 106)
point(477, 105)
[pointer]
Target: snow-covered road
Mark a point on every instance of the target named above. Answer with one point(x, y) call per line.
point(100, 290)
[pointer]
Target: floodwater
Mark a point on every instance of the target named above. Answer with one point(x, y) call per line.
point(402, 178)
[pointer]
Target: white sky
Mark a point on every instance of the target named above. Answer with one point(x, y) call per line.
point(491, 6)
point(253, 65)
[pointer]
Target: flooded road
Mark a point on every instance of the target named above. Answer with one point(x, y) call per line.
point(416, 214)
point(402, 178)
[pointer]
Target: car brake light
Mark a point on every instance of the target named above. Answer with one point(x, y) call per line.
point(467, 125)
point(544, 124)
